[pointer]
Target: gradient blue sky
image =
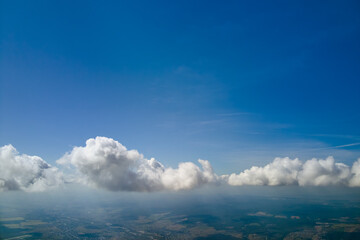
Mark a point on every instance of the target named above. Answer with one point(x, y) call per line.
point(234, 82)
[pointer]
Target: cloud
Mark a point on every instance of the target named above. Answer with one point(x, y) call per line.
point(355, 170)
point(285, 171)
point(24, 172)
point(260, 214)
point(282, 171)
point(105, 163)
point(323, 172)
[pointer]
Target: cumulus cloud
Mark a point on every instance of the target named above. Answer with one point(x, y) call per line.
point(282, 171)
point(286, 171)
point(24, 172)
point(323, 172)
point(105, 163)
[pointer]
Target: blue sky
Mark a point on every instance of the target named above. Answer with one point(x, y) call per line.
point(237, 83)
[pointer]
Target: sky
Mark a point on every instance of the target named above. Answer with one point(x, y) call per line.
point(237, 83)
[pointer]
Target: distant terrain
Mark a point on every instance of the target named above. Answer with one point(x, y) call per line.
point(199, 215)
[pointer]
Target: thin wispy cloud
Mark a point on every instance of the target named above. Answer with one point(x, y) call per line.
point(344, 146)
point(319, 149)
point(233, 114)
point(335, 136)
point(211, 122)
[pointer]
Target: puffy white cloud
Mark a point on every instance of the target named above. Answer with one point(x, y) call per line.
point(24, 172)
point(188, 175)
point(284, 171)
point(324, 172)
point(105, 163)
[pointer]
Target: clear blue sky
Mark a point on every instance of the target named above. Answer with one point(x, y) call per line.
point(234, 82)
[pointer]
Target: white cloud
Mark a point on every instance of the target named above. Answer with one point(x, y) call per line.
point(323, 172)
point(105, 163)
point(284, 171)
point(24, 172)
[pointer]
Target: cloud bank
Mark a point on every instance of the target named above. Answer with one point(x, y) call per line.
point(24, 172)
point(285, 171)
point(106, 164)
